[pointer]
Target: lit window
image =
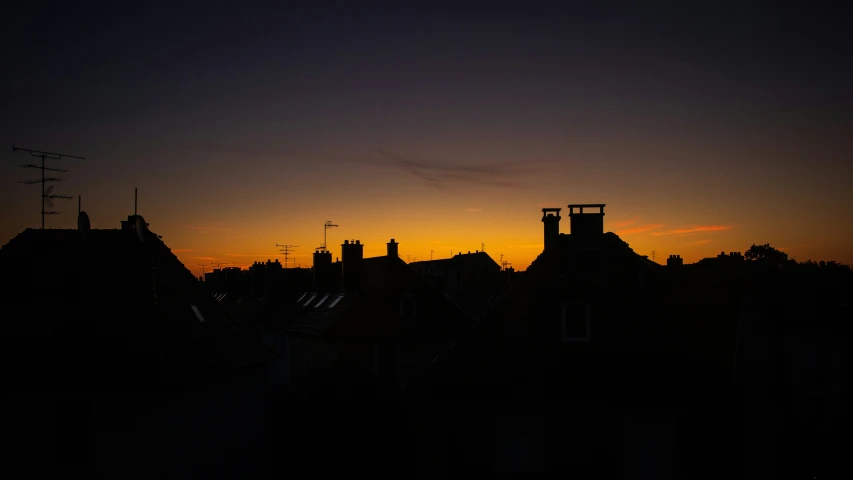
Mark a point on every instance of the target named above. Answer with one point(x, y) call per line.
point(332, 305)
point(197, 313)
point(321, 301)
point(303, 296)
point(313, 296)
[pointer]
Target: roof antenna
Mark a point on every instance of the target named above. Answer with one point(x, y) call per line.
point(79, 202)
point(134, 200)
point(47, 195)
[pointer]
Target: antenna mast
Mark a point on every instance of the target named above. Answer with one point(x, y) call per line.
point(326, 226)
point(286, 250)
point(653, 254)
point(202, 265)
point(482, 247)
point(46, 192)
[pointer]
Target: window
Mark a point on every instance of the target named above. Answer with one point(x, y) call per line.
point(576, 322)
point(197, 313)
point(321, 301)
point(313, 296)
point(332, 305)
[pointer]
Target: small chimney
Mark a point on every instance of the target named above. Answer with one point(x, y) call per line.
point(551, 219)
point(393, 249)
point(352, 254)
point(322, 269)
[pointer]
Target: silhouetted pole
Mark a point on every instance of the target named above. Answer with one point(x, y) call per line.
point(44, 180)
point(326, 226)
point(653, 255)
point(135, 200)
point(430, 255)
point(482, 247)
point(202, 265)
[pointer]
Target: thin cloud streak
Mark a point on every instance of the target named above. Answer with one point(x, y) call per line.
point(260, 255)
point(441, 176)
point(181, 250)
point(624, 223)
point(203, 258)
point(700, 242)
point(640, 229)
point(697, 229)
point(208, 229)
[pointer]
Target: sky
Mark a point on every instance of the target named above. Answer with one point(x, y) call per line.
point(444, 125)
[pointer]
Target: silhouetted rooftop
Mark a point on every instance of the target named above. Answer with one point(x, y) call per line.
point(109, 291)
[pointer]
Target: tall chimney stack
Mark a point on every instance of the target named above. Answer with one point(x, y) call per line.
point(551, 219)
point(392, 249)
point(352, 254)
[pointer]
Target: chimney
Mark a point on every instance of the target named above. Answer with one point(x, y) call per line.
point(674, 261)
point(551, 219)
point(392, 249)
point(352, 254)
point(587, 223)
point(322, 269)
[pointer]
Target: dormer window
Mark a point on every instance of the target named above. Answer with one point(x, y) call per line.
point(332, 305)
point(576, 322)
point(325, 297)
point(310, 299)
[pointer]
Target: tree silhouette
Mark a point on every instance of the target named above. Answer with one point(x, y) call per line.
point(767, 255)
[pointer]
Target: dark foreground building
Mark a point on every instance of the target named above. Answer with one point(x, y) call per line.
point(120, 362)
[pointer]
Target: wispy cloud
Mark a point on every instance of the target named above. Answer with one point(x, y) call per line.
point(640, 229)
point(208, 228)
point(203, 258)
point(624, 223)
point(700, 242)
point(181, 250)
point(693, 230)
point(259, 255)
point(502, 175)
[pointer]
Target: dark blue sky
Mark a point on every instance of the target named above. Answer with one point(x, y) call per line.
point(655, 104)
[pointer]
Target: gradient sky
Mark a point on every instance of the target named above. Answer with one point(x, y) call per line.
point(703, 127)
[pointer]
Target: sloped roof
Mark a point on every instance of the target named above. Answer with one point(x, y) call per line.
point(601, 255)
point(372, 309)
point(109, 287)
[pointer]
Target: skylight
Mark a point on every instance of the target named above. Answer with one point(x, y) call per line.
point(303, 296)
point(313, 296)
point(332, 305)
point(197, 313)
point(321, 301)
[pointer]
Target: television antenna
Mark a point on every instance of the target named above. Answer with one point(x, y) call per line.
point(47, 195)
point(287, 250)
point(653, 254)
point(430, 255)
point(202, 265)
point(483, 247)
point(326, 226)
